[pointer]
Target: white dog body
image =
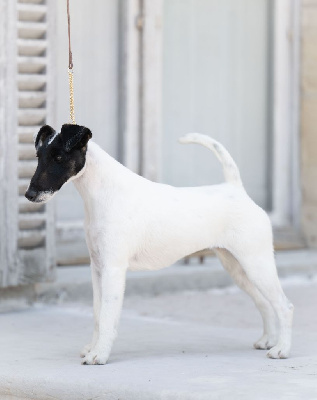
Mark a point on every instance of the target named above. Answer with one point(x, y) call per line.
point(133, 223)
point(154, 224)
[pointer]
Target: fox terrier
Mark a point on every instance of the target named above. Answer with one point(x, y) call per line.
point(132, 223)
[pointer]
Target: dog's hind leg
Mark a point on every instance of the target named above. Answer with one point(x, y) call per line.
point(270, 328)
point(260, 269)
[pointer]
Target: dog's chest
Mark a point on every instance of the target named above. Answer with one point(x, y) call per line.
point(149, 262)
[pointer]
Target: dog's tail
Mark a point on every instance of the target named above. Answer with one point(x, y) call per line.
point(230, 169)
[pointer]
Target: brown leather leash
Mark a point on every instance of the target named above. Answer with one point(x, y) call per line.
point(70, 72)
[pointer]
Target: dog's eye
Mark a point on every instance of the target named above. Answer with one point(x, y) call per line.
point(58, 158)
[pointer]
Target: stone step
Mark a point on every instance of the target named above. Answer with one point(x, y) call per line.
point(32, 116)
point(32, 65)
point(31, 82)
point(32, 30)
point(32, 99)
point(31, 47)
point(33, 12)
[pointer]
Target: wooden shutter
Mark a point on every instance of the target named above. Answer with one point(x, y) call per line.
point(30, 227)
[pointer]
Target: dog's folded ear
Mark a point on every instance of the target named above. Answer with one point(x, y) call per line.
point(45, 132)
point(74, 136)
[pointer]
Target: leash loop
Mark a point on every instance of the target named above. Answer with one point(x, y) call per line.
point(70, 55)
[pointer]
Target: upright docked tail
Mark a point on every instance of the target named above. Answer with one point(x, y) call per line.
point(230, 169)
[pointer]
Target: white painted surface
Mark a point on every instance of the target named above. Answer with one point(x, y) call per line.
point(130, 101)
point(286, 186)
point(295, 113)
point(151, 89)
point(9, 266)
point(215, 81)
point(94, 35)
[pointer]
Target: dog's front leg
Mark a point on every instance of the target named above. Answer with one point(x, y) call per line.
point(112, 292)
point(96, 286)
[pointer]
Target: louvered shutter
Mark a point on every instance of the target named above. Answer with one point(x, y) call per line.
point(34, 24)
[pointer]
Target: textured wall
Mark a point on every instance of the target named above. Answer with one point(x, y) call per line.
point(309, 120)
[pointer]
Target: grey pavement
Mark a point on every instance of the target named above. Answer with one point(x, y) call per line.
point(183, 345)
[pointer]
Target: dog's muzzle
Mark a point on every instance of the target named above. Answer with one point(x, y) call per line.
point(31, 194)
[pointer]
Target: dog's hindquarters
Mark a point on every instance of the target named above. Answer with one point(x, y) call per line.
point(254, 253)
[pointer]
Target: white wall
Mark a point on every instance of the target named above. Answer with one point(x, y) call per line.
point(94, 34)
point(216, 81)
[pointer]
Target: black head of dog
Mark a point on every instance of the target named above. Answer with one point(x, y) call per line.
point(60, 157)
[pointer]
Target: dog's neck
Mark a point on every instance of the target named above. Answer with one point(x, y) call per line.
point(99, 173)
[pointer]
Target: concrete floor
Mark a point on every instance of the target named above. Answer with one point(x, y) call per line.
point(187, 345)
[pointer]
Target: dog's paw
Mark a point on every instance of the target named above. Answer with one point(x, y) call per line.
point(95, 357)
point(265, 343)
point(279, 351)
point(85, 350)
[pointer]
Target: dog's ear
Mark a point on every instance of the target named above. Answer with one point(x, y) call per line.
point(75, 136)
point(45, 132)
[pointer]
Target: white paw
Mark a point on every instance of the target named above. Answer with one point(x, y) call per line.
point(279, 351)
point(96, 357)
point(86, 349)
point(265, 343)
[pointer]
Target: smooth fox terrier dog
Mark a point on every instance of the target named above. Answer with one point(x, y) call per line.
point(132, 223)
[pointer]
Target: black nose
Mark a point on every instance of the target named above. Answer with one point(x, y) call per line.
point(31, 194)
